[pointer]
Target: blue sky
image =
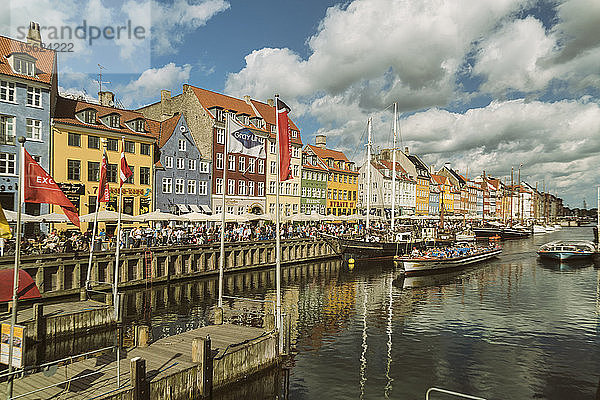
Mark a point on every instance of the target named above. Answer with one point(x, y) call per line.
point(484, 85)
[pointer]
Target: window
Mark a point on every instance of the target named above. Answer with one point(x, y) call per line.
point(129, 146)
point(251, 165)
point(191, 186)
point(261, 166)
point(7, 129)
point(7, 91)
point(192, 165)
point(251, 188)
point(230, 186)
point(219, 160)
point(93, 142)
point(220, 136)
point(261, 189)
point(242, 164)
point(273, 168)
point(295, 189)
point(203, 188)
point(231, 164)
point(113, 120)
point(73, 170)
point(179, 182)
point(182, 145)
point(294, 134)
point(241, 187)
point(93, 171)
point(88, 116)
point(7, 163)
point(112, 173)
point(295, 171)
point(138, 125)
point(144, 175)
point(272, 186)
point(145, 149)
point(219, 186)
point(272, 147)
point(167, 185)
point(34, 96)
point(204, 167)
point(168, 162)
point(74, 139)
point(24, 67)
point(112, 144)
point(295, 152)
point(181, 163)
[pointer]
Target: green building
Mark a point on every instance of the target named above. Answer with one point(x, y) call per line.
point(314, 184)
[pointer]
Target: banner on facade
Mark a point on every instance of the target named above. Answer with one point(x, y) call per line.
point(242, 140)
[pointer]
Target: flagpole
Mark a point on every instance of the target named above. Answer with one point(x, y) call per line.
point(89, 269)
point(394, 169)
point(118, 250)
point(277, 221)
point(224, 187)
point(13, 316)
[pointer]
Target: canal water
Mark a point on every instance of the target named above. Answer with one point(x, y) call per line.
point(510, 328)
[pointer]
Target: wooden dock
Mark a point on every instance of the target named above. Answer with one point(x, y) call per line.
point(168, 367)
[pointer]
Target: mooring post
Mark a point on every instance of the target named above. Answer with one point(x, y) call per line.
point(287, 331)
point(138, 379)
point(143, 336)
point(82, 294)
point(40, 322)
point(269, 321)
point(202, 353)
point(219, 316)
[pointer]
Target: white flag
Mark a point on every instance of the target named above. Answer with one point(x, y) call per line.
point(243, 141)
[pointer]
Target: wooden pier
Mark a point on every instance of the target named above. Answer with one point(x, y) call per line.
point(183, 366)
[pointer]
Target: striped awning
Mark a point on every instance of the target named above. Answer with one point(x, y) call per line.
point(194, 208)
point(206, 208)
point(183, 208)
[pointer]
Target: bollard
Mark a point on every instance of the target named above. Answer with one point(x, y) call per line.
point(269, 322)
point(219, 316)
point(138, 379)
point(202, 353)
point(143, 336)
point(40, 322)
point(351, 264)
point(82, 294)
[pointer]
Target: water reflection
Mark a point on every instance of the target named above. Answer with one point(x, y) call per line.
point(565, 265)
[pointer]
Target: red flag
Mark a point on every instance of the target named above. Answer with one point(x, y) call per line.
point(285, 144)
point(103, 194)
point(39, 187)
point(125, 171)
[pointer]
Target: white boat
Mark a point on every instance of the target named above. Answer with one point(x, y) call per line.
point(557, 226)
point(567, 249)
point(452, 257)
point(549, 228)
point(539, 229)
point(465, 237)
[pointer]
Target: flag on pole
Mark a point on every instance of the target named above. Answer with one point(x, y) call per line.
point(5, 232)
point(103, 193)
point(124, 172)
point(285, 144)
point(242, 140)
point(39, 187)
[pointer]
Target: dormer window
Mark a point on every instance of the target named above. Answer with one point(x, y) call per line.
point(294, 134)
point(113, 120)
point(244, 119)
point(88, 116)
point(137, 125)
point(25, 66)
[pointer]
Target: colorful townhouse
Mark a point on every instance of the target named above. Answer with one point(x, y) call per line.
point(458, 182)
point(28, 92)
point(182, 178)
point(434, 198)
point(313, 197)
point(342, 182)
point(80, 132)
point(290, 190)
point(446, 194)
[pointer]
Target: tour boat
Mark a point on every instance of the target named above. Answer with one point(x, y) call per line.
point(485, 232)
point(567, 249)
point(452, 257)
point(538, 229)
point(513, 233)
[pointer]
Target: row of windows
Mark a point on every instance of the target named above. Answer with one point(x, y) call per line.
point(250, 167)
point(341, 211)
point(180, 186)
point(295, 169)
point(112, 172)
point(341, 178)
point(334, 194)
point(314, 176)
point(308, 208)
point(285, 209)
point(191, 164)
point(313, 192)
point(93, 142)
point(285, 188)
point(33, 129)
point(8, 94)
point(244, 188)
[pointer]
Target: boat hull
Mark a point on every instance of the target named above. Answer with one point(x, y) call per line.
point(415, 266)
point(486, 232)
point(565, 255)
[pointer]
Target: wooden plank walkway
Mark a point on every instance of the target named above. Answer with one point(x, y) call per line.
point(163, 357)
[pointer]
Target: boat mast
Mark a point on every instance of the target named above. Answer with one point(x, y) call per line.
point(485, 188)
point(512, 189)
point(369, 143)
point(394, 167)
point(598, 216)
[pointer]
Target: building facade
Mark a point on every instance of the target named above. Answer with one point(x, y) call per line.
point(182, 178)
point(314, 185)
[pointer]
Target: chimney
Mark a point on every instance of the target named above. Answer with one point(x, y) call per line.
point(271, 102)
point(34, 37)
point(247, 99)
point(106, 98)
point(165, 100)
point(406, 150)
point(321, 141)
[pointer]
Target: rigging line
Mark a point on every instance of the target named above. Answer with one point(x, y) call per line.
point(359, 144)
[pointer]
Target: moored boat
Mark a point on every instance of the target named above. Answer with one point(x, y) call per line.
point(538, 229)
point(451, 257)
point(567, 249)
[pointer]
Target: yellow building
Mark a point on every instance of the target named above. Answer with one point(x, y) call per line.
point(342, 182)
point(447, 195)
point(79, 131)
point(422, 197)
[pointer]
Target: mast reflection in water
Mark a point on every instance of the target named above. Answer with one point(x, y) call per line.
point(510, 328)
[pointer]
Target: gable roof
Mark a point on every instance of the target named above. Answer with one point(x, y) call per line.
point(165, 130)
point(439, 179)
point(210, 99)
point(44, 64)
point(327, 153)
point(418, 163)
point(268, 113)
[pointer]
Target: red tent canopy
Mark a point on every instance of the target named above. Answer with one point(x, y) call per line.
point(27, 287)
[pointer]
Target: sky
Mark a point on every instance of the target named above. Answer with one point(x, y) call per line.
point(484, 85)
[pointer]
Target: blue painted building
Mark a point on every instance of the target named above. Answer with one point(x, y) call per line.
point(434, 199)
point(182, 178)
point(28, 92)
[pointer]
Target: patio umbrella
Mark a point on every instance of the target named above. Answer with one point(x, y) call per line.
point(11, 216)
point(157, 215)
point(259, 217)
point(196, 217)
point(53, 217)
point(108, 216)
point(228, 218)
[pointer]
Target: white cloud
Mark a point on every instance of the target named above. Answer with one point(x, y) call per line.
point(151, 81)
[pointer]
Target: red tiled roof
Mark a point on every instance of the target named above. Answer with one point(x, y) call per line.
point(210, 99)
point(166, 129)
point(388, 164)
point(328, 153)
point(45, 59)
point(67, 108)
point(317, 167)
point(441, 180)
